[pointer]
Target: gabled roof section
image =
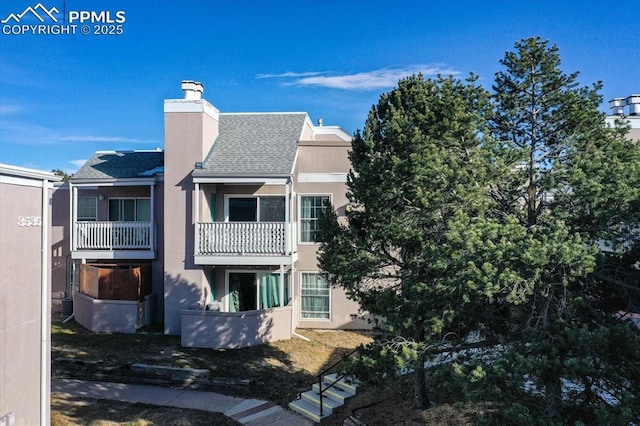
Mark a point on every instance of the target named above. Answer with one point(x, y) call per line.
point(258, 144)
point(121, 165)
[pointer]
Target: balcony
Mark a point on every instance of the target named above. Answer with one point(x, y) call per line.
point(243, 243)
point(114, 240)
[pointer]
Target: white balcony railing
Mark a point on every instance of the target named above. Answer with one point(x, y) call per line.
point(251, 238)
point(114, 236)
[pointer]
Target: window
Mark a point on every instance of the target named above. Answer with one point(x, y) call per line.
point(256, 209)
point(87, 209)
point(271, 209)
point(243, 209)
point(315, 296)
point(130, 209)
point(311, 206)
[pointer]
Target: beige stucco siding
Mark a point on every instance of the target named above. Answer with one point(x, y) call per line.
point(22, 223)
point(321, 169)
point(188, 138)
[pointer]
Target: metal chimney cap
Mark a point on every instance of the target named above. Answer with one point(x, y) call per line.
point(192, 89)
point(616, 102)
point(633, 99)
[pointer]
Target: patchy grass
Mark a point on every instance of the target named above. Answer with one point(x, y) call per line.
point(66, 412)
point(393, 405)
point(278, 371)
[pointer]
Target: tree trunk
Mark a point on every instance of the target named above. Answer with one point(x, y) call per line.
point(420, 385)
point(553, 397)
point(420, 380)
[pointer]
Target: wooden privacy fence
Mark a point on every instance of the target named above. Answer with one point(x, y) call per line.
point(115, 282)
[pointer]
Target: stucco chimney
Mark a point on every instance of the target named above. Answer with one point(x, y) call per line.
point(617, 106)
point(633, 102)
point(192, 90)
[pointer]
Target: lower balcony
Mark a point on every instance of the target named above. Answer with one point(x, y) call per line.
point(114, 240)
point(243, 243)
point(233, 330)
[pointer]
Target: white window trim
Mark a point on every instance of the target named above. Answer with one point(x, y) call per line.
point(135, 213)
point(257, 197)
point(301, 318)
point(299, 221)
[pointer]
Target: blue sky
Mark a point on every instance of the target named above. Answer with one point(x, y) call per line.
point(62, 97)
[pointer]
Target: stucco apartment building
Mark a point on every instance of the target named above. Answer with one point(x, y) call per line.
point(25, 321)
point(214, 236)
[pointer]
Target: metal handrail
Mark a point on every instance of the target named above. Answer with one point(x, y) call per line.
point(324, 373)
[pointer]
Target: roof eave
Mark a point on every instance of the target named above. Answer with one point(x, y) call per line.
point(146, 181)
point(243, 179)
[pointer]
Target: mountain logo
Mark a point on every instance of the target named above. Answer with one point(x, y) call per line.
point(39, 11)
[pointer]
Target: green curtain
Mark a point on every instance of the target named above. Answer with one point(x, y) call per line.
point(269, 291)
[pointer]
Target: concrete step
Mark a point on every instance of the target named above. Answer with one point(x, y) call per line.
point(332, 397)
point(336, 393)
point(328, 404)
point(347, 383)
point(309, 410)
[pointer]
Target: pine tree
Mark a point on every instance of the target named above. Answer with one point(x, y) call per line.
point(578, 186)
point(417, 229)
point(474, 231)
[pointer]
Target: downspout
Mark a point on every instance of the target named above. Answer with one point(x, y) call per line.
point(293, 239)
point(152, 231)
point(196, 239)
point(45, 349)
point(73, 201)
point(71, 230)
point(300, 336)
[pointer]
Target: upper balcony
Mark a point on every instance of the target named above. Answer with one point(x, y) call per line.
point(114, 236)
point(243, 243)
point(114, 240)
point(113, 205)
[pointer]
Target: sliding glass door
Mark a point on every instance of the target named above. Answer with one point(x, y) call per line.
point(249, 291)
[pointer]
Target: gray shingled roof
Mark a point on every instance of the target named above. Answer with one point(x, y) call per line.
point(254, 145)
point(121, 165)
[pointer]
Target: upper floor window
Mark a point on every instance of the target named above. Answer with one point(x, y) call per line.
point(87, 209)
point(256, 209)
point(311, 207)
point(130, 209)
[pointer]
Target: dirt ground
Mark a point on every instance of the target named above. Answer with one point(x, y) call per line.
point(278, 372)
point(109, 413)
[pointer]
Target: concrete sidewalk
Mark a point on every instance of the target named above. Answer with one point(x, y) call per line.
point(246, 411)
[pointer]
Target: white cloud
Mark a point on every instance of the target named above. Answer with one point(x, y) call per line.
point(288, 75)
point(78, 163)
point(9, 109)
point(368, 80)
point(91, 138)
point(31, 133)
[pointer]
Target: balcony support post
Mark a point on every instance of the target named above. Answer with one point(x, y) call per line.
point(152, 236)
point(73, 209)
point(287, 218)
point(196, 218)
point(281, 289)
